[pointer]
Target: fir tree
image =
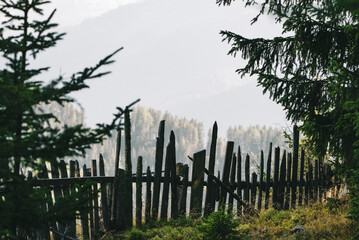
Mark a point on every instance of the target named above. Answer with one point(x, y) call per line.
point(26, 138)
point(312, 70)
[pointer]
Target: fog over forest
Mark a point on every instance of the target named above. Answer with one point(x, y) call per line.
point(190, 137)
point(173, 59)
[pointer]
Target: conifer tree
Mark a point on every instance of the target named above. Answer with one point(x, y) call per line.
point(312, 70)
point(26, 138)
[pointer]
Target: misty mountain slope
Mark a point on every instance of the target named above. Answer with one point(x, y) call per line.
point(144, 130)
point(173, 59)
point(189, 137)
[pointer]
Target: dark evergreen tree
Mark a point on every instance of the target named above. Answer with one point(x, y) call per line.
point(26, 138)
point(312, 70)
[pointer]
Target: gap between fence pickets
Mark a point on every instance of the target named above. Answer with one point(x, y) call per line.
point(228, 190)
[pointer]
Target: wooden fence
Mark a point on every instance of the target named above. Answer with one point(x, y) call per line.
point(168, 192)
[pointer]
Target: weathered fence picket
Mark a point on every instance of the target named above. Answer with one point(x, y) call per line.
point(310, 187)
point(166, 183)
point(104, 202)
point(261, 183)
point(232, 182)
point(197, 183)
point(174, 196)
point(96, 217)
point(276, 178)
point(218, 189)
point(239, 180)
point(316, 181)
point(287, 191)
point(247, 184)
point(139, 192)
point(226, 170)
point(253, 189)
point(295, 166)
point(115, 184)
point(306, 198)
point(83, 214)
point(148, 196)
point(158, 169)
point(301, 178)
point(268, 173)
point(281, 192)
point(183, 198)
point(210, 200)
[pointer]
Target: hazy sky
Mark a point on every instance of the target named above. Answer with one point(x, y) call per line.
point(173, 58)
point(72, 12)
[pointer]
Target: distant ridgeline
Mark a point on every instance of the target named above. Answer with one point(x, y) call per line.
point(189, 137)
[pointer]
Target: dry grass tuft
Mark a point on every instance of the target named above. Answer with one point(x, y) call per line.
point(320, 221)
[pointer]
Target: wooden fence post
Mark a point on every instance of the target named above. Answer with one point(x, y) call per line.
point(337, 184)
point(57, 193)
point(282, 182)
point(45, 232)
point(295, 166)
point(128, 167)
point(276, 178)
point(226, 170)
point(310, 186)
point(287, 192)
point(218, 189)
point(301, 178)
point(261, 183)
point(66, 192)
point(148, 196)
point(84, 214)
point(331, 181)
point(95, 203)
point(183, 199)
point(115, 184)
point(139, 192)
point(121, 213)
point(91, 206)
point(321, 181)
point(199, 159)
point(269, 163)
point(254, 189)
point(104, 205)
point(77, 169)
point(316, 180)
point(247, 186)
point(166, 182)
point(326, 179)
point(72, 222)
point(306, 190)
point(174, 197)
point(232, 183)
point(239, 180)
point(210, 201)
point(158, 169)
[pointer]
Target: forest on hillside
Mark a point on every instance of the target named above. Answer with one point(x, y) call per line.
point(190, 137)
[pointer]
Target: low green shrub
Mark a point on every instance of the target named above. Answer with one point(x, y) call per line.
point(334, 204)
point(219, 225)
point(353, 185)
point(136, 234)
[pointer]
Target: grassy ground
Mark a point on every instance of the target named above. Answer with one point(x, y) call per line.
point(320, 221)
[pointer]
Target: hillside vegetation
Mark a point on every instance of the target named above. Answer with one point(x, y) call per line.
point(320, 221)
